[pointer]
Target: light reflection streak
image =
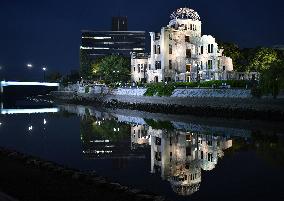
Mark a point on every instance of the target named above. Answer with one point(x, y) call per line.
point(29, 111)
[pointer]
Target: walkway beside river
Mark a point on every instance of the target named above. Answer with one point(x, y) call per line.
point(31, 179)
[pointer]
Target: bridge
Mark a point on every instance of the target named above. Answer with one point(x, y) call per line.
point(13, 83)
point(29, 111)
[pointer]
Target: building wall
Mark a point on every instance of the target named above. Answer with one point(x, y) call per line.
point(192, 57)
point(101, 43)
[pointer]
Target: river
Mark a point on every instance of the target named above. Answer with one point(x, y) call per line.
point(180, 157)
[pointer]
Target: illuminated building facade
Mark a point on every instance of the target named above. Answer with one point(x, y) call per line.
point(119, 41)
point(179, 52)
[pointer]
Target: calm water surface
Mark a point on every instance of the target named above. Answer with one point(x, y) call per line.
point(183, 158)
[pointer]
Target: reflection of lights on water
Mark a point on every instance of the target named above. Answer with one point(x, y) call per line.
point(29, 111)
point(30, 128)
point(116, 129)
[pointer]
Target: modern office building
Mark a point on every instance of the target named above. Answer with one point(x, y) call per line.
point(119, 41)
point(119, 24)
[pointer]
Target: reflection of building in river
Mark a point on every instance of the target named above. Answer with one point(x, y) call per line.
point(107, 138)
point(139, 136)
point(180, 156)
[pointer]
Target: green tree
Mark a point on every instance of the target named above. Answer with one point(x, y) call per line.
point(113, 69)
point(232, 50)
point(54, 77)
point(263, 59)
point(85, 65)
point(272, 78)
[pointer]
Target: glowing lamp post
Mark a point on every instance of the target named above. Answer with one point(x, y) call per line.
point(44, 69)
point(29, 65)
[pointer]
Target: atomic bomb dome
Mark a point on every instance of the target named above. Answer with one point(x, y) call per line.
point(185, 13)
point(180, 53)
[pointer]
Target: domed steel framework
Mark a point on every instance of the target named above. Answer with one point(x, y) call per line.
point(185, 13)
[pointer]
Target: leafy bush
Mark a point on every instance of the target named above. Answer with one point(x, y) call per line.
point(167, 125)
point(159, 89)
point(87, 89)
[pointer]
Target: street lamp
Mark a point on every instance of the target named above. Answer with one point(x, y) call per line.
point(29, 65)
point(44, 69)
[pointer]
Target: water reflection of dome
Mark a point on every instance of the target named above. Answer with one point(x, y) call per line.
point(185, 179)
point(185, 190)
point(185, 13)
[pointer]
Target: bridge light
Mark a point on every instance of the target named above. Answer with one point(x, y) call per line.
point(30, 128)
point(44, 68)
point(44, 122)
point(29, 65)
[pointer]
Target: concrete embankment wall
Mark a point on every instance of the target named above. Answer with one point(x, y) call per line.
point(194, 92)
point(210, 102)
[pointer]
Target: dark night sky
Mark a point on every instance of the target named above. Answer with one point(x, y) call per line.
point(48, 32)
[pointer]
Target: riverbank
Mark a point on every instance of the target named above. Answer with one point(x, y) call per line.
point(228, 107)
point(28, 178)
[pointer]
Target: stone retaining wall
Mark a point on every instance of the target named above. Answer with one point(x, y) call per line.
point(129, 91)
point(207, 93)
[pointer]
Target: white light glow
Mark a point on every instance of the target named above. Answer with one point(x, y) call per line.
point(11, 83)
point(29, 111)
point(44, 122)
point(97, 38)
point(94, 48)
point(30, 128)
point(138, 49)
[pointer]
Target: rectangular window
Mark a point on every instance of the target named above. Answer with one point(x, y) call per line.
point(187, 39)
point(134, 68)
point(210, 157)
point(158, 141)
point(158, 65)
point(149, 66)
point(155, 50)
point(210, 64)
point(170, 37)
point(210, 143)
point(188, 67)
point(170, 49)
point(157, 36)
point(138, 68)
point(210, 48)
point(158, 49)
point(201, 65)
point(188, 151)
point(188, 53)
point(201, 50)
point(190, 26)
point(170, 64)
